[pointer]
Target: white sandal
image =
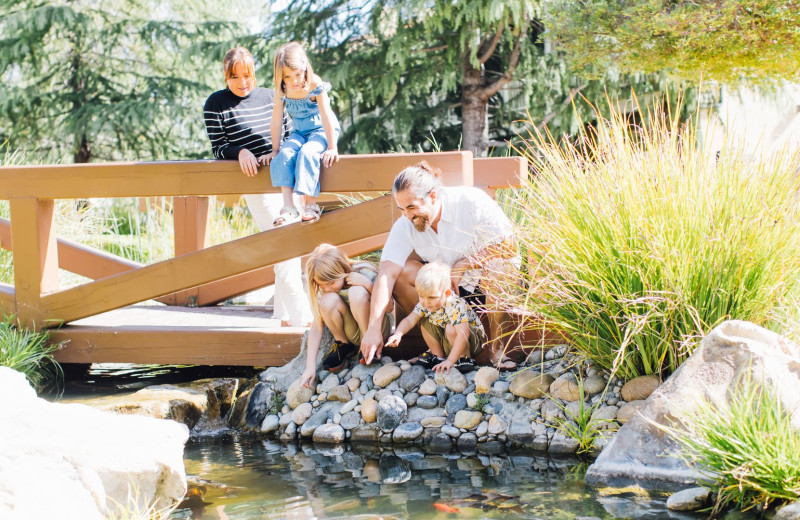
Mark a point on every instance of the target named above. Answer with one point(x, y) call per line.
point(287, 215)
point(311, 214)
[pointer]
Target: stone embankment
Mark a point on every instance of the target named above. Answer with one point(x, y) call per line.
point(393, 402)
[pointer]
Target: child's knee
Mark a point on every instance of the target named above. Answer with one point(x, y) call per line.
point(330, 302)
point(358, 295)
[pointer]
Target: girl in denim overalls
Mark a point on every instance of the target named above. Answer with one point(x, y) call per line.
point(295, 164)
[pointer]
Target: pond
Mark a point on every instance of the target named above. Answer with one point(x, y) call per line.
point(233, 477)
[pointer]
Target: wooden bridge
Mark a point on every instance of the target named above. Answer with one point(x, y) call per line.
point(98, 320)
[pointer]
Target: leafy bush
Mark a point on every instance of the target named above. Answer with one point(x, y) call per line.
point(639, 241)
point(28, 352)
point(749, 453)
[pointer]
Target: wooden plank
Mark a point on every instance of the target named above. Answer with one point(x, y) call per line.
point(221, 261)
point(35, 256)
point(353, 173)
point(222, 290)
point(8, 305)
point(500, 172)
point(77, 258)
point(196, 346)
point(190, 216)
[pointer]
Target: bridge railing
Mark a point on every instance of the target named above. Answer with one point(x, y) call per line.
point(200, 274)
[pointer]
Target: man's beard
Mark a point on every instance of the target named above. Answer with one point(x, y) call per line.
point(420, 223)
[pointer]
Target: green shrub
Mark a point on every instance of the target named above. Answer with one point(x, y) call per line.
point(28, 352)
point(748, 453)
point(639, 241)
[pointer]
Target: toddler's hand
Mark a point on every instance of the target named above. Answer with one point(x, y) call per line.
point(394, 340)
point(354, 278)
point(330, 156)
point(267, 158)
point(307, 378)
point(444, 366)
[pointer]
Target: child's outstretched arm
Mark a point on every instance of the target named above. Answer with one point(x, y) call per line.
point(403, 327)
point(276, 131)
point(312, 349)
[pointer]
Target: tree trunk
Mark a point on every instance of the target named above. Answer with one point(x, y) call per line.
point(474, 127)
point(83, 152)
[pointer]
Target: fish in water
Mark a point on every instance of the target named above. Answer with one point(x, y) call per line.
point(445, 508)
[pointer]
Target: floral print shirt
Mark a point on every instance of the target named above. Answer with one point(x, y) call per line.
point(454, 311)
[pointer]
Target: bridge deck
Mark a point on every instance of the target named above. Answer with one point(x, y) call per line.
point(224, 335)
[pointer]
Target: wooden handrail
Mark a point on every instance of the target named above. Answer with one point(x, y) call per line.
point(353, 173)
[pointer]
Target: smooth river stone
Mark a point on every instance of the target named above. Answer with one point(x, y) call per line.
point(297, 394)
point(329, 433)
point(427, 401)
point(433, 422)
point(412, 378)
point(391, 412)
point(350, 420)
point(467, 419)
point(594, 385)
point(497, 425)
point(339, 393)
point(485, 378)
point(385, 375)
point(302, 413)
point(530, 384)
point(640, 388)
point(428, 387)
point(369, 410)
point(407, 432)
point(565, 389)
point(331, 381)
point(454, 380)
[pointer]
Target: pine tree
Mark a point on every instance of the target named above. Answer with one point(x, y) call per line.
point(86, 81)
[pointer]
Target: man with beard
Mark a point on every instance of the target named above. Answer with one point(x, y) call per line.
point(459, 226)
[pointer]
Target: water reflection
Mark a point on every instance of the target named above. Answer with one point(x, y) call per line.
point(237, 478)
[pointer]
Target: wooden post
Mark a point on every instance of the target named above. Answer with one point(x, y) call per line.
point(190, 215)
point(35, 256)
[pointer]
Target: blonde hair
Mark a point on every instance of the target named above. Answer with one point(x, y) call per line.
point(236, 56)
point(420, 179)
point(432, 278)
point(292, 56)
point(325, 264)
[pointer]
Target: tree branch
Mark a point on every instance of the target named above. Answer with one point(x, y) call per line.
point(493, 45)
point(549, 117)
point(492, 88)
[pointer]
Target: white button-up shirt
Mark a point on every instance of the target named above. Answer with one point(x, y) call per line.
point(470, 221)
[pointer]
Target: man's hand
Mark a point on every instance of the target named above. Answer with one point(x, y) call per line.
point(371, 345)
point(248, 162)
point(444, 366)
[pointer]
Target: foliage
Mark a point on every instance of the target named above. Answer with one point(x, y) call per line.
point(399, 69)
point(748, 451)
point(639, 241)
point(84, 81)
point(276, 403)
point(579, 425)
point(29, 352)
point(481, 400)
point(725, 41)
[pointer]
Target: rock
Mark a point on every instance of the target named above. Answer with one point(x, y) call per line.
point(500, 388)
point(640, 388)
point(385, 375)
point(485, 378)
point(427, 401)
point(380, 394)
point(411, 399)
point(418, 414)
point(289, 433)
point(530, 384)
point(353, 384)
point(453, 380)
point(551, 411)
point(472, 400)
point(74, 461)
point(331, 381)
point(404, 365)
point(456, 403)
point(350, 420)
point(565, 389)
point(316, 420)
point(285, 419)
point(604, 415)
point(391, 412)
point(593, 385)
point(412, 378)
point(788, 512)
point(497, 425)
point(467, 419)
point(368, 433)
point(329, 433)
point(364, 372)
point(482, 429)
point(467, 441)
point(428, 387)
point(690, 499)
point(628, 410)
point(349, 406)
point(406, 432)
point(322, 397)
point(284, 376)
point(642, 451)
point(297, 394)
point(451, 431)
point(369, 410)
point(519, 433)
point(258, 405)
point(442, 395)
point(270, 424)
point(563, 444)
point(433, 422)
point(339, 393)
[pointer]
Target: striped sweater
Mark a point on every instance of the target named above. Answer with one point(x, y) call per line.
point(234, 123)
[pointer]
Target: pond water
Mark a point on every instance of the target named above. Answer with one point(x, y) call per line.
point(234, 477)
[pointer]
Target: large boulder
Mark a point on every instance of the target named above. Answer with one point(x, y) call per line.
point(281, 378)
point(641, 452)
point(74, 461)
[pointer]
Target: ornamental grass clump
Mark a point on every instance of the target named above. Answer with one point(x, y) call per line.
point(29, 352)
point(640, 239)
point(747, 452)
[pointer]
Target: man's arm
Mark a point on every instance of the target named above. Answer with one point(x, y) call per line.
point(382, 288)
